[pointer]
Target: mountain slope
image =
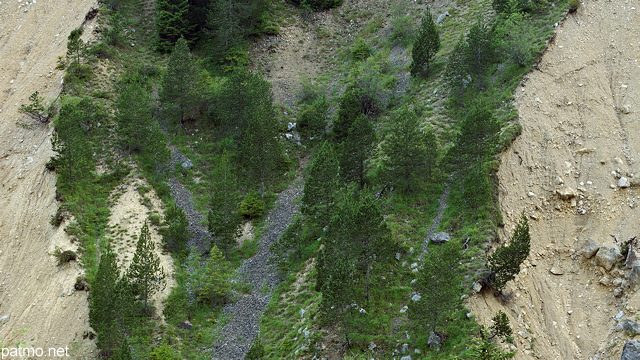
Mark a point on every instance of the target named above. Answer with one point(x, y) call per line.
point(580, 128)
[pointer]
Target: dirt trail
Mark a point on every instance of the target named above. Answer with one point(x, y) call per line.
point(581, 131)
point(38, 304)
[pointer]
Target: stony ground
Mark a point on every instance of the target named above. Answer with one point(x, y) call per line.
point(238, 334)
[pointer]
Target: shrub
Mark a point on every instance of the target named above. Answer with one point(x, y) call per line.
point(36, 109)
point(361, 50)
point(271, 29)
point(318, 4)
point(252, 206)
point(573, 5)
point(101, 51)
point(64, 256)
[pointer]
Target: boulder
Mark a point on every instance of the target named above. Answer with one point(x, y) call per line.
point(631, 350)
point(589, 249)
point(4, 319)
point(634, 277)
point(435, 340)
point(633, 254)
point(624, 182)
point(607, 257)
point(566, 193)
point(441, 17)
point(630, 326)
point(187, 164)
point(439, 237)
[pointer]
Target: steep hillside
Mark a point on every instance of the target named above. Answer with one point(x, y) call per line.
point(38, 304)
point(580, 136)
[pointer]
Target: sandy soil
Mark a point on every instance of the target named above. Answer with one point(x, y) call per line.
point(36, 296)
point(580, 114)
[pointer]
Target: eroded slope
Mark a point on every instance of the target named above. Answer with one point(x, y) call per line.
point(581, 132)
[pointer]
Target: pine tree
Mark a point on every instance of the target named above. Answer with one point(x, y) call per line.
point(145, 274)
point(355, 150)
point(321, 186)
point(505, 262)
point(358, 243)
point(223, 217)
point(212, 280)
point(425, 47)
point(175, 229)
point(172, 22)
point(103, 309)
point(439, 287)
point(133, 116)
point(410, 153)
point(180, 91)
point(75, 45)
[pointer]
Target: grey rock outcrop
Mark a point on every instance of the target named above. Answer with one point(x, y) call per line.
point(629, 326)
point(607, 257)
point(439, 237)
point(589, 249)
point(631, 350)
point(634, 277)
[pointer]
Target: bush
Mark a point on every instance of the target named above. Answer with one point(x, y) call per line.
point(101, 51)
point(64, 256)
point(77, 73)
point(252, 206)
point(318, 4)
point(573, 5)
point(361, 50)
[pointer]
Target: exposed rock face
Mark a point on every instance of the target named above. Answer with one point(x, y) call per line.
point(607, 257)
point(589, 249)
point(629, 326)
point(633, 256)
point(634, 277)
point(631, 350)
point(439, 237)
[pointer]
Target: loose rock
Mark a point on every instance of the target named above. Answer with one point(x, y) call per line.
point(631, 350)
point(628, 325)
point(607, 257)
point(439, 237)
point(589, 249)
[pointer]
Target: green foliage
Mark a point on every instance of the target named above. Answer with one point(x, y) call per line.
point(471, 59)
point(210, 279)
point(516, 37)
point(409, 152)
point(516, 6)
point(500, 327)
point(64, 256)
point(145, 274)
point(75, 46)
point(321, 186)
point(101, 50)
point(252, 206)
point(36, 109)
point(229, 24)
point(355, 149)
point(76, 76)
point(361, 50)
point(114, 34)
point(180, 93)
point(505, 262)
point(425, 47)
point(175, 231)
point(357, 245)
point(403, 29)
point(478, 134)
point(439, 284)
point(164, 352)
point(108, 303)
point(318, 5)
point(256, 352)
point(574, 5)
point(313, 118)
point(171, 22)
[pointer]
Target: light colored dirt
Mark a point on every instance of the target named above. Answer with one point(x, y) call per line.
point(36, 295)
point(580, 123)
point(128, 215)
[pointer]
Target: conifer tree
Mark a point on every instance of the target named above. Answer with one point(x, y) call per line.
point(321, 186)
point(180, 86)
point(357, 244)
point(223, 217)
point(133, 116)
point(425, 47)
point(505, 262)
point(103, 309)
point(75, 45)
point(145, 274)
point(211, 280)
point(410, 153)
point(355, 149)
point(439, 287)
point(175, 230)
point(172, 22)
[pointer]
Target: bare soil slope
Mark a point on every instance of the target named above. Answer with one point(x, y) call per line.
point(581, 132)
point(38, 304)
